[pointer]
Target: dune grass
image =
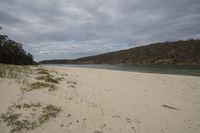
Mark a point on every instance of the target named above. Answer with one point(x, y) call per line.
point(48, 78)
point(42, 71)
point(13, 71)
point(17, 125)
point(48, 112)
point(15, 117)
point(20, 74)
point(25, 105)
point(51, 80)
point(19, 122)
point(39, 85)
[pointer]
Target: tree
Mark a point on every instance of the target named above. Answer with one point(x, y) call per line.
point(12, 52)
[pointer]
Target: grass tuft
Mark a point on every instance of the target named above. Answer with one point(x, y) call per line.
point(48, 112)
point(48, 78)
point(25, 105)
point(52, 80)
point(42, 71)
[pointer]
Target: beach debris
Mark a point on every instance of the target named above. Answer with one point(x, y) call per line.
point(133, 128)
point(64, 74)
point(72, 82)
point(128, 120)
point(116, 116)
point(170, 107)
point(97, 132)
point(71, 86)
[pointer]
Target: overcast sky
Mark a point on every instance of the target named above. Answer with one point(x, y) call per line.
point(67, 29)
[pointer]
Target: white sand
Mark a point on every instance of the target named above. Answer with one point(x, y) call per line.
point(115, 102)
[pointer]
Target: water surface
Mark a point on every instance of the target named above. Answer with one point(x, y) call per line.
point(178, 70)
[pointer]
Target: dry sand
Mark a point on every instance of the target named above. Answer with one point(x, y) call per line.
point(107, 101)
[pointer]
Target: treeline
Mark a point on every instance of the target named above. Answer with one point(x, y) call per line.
point(12, 52)
point(165, 53)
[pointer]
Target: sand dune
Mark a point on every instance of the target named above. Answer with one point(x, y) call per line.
point(107, 101)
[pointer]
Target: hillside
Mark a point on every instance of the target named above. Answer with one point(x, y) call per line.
point(12, 52)
point(165, 53)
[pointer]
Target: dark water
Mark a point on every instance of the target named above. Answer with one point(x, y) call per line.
point(178, 70)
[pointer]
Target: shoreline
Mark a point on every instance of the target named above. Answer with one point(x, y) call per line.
point(102, 101)
point(132, 71)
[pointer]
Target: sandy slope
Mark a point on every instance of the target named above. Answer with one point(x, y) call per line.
point(106, 101)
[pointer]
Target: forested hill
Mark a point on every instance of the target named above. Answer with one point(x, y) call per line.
point(12, 52)
point(165, 53)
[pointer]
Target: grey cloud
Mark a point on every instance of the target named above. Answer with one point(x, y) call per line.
point(75, 28)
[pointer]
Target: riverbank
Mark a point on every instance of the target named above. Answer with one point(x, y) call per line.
point(108, 101)
point(159, 69)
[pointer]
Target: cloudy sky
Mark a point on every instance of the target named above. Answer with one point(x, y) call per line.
point(52, 29)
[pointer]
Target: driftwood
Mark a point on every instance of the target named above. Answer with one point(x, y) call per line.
point(170, 107)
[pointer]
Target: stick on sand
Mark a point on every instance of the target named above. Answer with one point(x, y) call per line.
point(170, 107)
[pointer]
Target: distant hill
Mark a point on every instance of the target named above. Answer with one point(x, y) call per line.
point(12, 52)
point(165, 53)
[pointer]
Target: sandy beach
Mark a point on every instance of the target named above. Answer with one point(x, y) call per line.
point(108, 101)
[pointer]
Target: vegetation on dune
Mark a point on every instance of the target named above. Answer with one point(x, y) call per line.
point(25, 116)
point(42, 71)
point(48, 112)
point(165, 53)
point(25, 105)
point(48, 78)
point(14, 72)
point(41, 77)
point(19, 121)
point(20, 74)
point(52, 80)
point(9, 71)
point(17, 125)
point(12, 52)
point(39, 85)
